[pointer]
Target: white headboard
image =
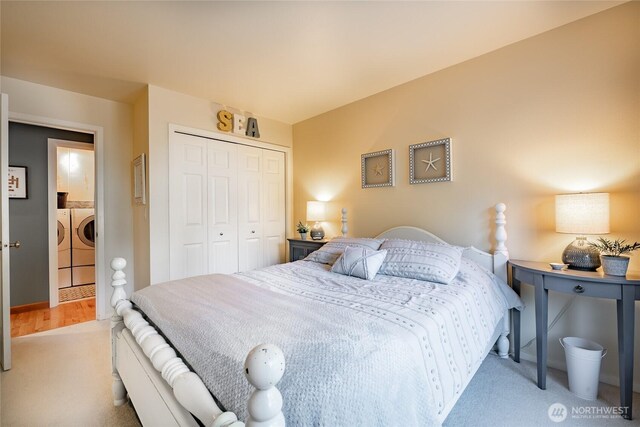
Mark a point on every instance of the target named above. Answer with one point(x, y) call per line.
point(496, 262)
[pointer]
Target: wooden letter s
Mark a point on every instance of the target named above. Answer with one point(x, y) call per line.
point(224, 120)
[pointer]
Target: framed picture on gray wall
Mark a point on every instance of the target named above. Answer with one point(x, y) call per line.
point(17, 182)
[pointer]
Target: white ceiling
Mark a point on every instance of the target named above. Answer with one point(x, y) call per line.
point(288, 61)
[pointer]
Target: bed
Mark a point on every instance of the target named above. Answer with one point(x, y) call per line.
point(349, 343)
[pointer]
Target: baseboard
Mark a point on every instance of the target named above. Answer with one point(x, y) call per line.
point(29, 307)
point(562, 366)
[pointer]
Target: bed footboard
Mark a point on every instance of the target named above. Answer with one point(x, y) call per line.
point(264, 367)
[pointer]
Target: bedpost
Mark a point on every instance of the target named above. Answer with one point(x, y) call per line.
point(501, 232)
point(117, 324)
point(500, 258)
point(345, 228)
point(188, 388)
point(264, 367)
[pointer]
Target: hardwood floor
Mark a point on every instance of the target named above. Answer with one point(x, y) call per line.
point(44, 319)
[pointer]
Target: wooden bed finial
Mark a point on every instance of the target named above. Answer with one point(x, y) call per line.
point(501, 232)
point(264, 367)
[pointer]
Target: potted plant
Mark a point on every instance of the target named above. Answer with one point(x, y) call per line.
point(303, 229)
point(611, 251)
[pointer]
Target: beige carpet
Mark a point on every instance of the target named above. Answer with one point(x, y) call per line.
point(62, 377)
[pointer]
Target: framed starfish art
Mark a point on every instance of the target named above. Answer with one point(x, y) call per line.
point(378, 169)
point(430, 161)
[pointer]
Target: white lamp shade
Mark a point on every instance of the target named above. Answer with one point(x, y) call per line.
point(585, 213)
point(316, 211)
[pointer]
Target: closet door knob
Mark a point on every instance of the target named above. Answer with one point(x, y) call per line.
point(222, 234)
point(253, 231)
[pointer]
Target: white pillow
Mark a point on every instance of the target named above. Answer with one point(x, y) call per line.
point(359, 262)
point(432, 262)
point(329, 252)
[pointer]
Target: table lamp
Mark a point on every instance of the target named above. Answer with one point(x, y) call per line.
point(580, 214)
point(316, 211)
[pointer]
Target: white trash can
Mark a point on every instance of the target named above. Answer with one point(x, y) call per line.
point(583, 365)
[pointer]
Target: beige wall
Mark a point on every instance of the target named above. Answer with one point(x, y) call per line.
point(556, 113)
point(115, 119)
point(168, 107)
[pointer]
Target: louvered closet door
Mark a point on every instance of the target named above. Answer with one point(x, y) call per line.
point(273, 184)
point(188, 206)
point(250, 243)
point(222, 180)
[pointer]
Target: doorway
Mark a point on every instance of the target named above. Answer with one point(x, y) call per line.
point(34, 290)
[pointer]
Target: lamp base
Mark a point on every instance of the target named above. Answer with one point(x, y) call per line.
point(580, 256)
point(317, 233)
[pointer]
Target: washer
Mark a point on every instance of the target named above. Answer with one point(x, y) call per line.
point(64, 248)
point(83, 257)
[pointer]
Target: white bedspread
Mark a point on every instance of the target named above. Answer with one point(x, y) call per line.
point(387, 352)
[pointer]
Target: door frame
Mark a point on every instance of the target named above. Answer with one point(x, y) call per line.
point(52, 205)
point(98, 144)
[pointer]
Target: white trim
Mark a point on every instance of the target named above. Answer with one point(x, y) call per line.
point(98, 143)
point(5, 264)
point(52, 207)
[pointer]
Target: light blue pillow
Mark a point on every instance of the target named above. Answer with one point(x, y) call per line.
point(329, 252)
point(359, 262)
point(432, 262)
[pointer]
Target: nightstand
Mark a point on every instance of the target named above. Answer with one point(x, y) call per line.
point(625, 290)
point(299, 249)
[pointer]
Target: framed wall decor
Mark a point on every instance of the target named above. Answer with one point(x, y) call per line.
point(17, 182)
point(430, 161)
point(139, 178)
point(378, 169)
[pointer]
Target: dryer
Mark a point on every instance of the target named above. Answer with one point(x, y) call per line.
point(83, 256)
point(64, 248)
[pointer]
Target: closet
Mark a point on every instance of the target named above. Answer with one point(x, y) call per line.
point(226, 206)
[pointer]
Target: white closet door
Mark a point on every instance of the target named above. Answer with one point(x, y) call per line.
point(250, 244)
point(222, 201)
point(188, 206)
point(273, 183)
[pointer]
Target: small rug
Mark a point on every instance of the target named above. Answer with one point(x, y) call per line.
point(77, 292)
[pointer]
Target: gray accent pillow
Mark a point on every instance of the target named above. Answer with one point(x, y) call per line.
point(432, 262)
point(329, 252)
point(359, 262)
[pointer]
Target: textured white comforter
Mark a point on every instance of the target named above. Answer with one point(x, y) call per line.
point(387, 352)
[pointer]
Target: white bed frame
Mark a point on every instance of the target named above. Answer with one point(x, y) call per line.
point(164, 391)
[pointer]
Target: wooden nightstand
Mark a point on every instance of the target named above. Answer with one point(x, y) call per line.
point(299, 249)
point(625, 290)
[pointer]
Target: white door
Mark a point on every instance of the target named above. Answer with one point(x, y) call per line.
point(5, 356)
point(273, 223)
point(188, 206)
point(222, 201)
point(250, 243)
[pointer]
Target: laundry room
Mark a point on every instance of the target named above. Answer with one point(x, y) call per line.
point(76, 220)
point(53, 266)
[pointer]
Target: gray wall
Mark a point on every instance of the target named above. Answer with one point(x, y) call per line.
point(28, 217)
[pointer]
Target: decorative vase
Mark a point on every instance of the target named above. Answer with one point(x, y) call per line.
point(614, 265)
point(303, 236)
